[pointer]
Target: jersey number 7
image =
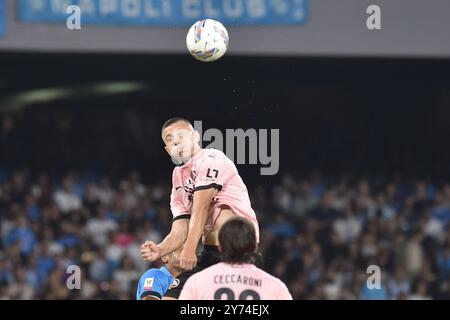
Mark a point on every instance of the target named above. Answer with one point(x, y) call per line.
point(215, 173)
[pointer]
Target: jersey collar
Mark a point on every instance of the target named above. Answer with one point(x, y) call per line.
point(165, 270)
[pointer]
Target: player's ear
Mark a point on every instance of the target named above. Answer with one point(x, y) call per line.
point(165, 259)
point(196, 137)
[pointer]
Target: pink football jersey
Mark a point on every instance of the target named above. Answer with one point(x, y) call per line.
point(224, 281)
point(211, 168)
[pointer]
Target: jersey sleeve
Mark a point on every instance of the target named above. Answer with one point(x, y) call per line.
point(178, 209)
point(152, 283)
point(211, 172)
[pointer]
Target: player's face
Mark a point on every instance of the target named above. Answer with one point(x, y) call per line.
point(180, 140)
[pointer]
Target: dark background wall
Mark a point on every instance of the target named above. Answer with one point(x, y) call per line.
point(365, 115)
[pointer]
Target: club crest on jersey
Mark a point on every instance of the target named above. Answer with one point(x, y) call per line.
point(189, 189)
point(175, 283)
point(148, 283)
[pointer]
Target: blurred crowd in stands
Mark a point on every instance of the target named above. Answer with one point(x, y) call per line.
point(318, 234)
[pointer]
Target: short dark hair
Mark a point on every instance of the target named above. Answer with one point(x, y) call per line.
point(237, 239)
point(174, 120)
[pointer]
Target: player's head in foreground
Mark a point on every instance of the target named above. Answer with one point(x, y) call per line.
point(180, 139)
point(237, 241)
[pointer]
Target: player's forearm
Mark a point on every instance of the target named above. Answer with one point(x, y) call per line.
point(196, 227)
point(175, 238)
point(170, 244)
point(200, 208)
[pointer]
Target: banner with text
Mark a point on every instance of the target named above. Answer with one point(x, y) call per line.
point(2, 18)
point(167, 12)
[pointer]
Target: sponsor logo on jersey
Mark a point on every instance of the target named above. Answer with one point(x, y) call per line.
point(175, 283)
point(148, 283)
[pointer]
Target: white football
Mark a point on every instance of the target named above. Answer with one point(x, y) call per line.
point(207, 40)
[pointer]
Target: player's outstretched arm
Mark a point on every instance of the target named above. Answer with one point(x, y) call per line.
point(151, 251)
point(175, 238)
point(200, 207)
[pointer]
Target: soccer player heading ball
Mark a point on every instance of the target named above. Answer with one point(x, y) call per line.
point(207, 191)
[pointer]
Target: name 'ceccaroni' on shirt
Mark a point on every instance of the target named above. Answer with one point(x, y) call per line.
point(236, 278)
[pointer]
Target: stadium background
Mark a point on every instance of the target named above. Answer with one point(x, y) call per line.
point(364, 150)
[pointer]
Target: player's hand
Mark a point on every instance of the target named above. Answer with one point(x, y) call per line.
point(150, 251)
point(188, 259)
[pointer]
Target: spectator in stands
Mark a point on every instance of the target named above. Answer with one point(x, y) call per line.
point(318, 236)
